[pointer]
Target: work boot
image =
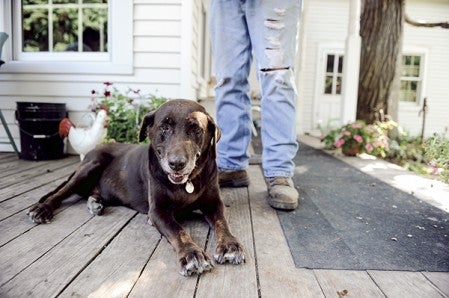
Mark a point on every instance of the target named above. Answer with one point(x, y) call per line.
point(233, 178)
point(282, 194)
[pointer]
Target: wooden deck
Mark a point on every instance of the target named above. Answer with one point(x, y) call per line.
point(120, 255)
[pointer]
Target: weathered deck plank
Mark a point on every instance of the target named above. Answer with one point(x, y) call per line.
point(14, 166)
point(233, 280)
point(347, 283)
point(115, 271)
point(21, 202)
point(404, 284)
point(19, 223)
point(49, 275)
point(23, 251)
point(42, 168)
point(22, 186)
point(440, 280)
point(161, 277)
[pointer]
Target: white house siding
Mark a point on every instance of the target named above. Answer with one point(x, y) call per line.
point(324, 23)
point(159, 36)
point(435, 43)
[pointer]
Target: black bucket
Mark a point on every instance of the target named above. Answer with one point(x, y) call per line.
point(39, 126)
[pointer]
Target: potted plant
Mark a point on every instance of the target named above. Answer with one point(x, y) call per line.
point(357, 137)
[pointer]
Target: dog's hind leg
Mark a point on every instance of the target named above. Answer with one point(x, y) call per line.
point(82, 182)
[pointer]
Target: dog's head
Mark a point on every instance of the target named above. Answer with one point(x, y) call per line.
point(183, 135)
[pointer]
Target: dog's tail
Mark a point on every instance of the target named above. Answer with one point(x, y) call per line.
point(64, 127)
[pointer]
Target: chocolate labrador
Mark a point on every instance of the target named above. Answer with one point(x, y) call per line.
point(175, 173)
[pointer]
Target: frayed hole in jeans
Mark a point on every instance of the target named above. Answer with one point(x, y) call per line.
point(274, 69)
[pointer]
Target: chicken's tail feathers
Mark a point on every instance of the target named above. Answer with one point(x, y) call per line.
point(64, 127)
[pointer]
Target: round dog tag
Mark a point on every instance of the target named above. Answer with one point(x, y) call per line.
point(189, 187)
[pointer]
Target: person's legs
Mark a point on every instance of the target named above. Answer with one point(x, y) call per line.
point(273, 29)
point(231, 48)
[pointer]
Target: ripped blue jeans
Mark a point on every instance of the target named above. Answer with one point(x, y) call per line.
point(269, 30)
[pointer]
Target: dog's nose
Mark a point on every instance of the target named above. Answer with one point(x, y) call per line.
point(177, 163)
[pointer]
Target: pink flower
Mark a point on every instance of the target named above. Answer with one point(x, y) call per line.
point(358, 138)
point(356, 125)
point(339, 143)
point(369, 148)
point(347, 133)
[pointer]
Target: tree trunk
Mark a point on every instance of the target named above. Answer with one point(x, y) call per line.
point(381, 32)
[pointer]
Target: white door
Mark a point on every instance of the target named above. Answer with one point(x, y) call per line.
point(328, 98)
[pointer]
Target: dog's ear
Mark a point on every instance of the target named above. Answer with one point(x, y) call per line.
point(214, 131)
point(147, 123)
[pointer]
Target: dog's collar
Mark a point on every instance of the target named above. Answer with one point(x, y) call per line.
point(189, 186)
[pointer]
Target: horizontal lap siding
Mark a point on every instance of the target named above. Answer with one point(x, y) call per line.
point(156, 69)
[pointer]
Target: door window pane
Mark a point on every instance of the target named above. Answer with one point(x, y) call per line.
point(333, 76)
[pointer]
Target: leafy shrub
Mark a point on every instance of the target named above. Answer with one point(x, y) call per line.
point(437, 154)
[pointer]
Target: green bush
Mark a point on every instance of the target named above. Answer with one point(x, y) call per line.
point(407, 152)
point(437, 154)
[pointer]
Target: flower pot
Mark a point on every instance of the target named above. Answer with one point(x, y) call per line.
point(351, 151)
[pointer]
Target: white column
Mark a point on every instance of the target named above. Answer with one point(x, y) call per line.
point(351, 64)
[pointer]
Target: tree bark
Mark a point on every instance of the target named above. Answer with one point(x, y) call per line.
point(381, 31)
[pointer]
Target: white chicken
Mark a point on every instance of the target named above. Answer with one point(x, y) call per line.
point(85, 139)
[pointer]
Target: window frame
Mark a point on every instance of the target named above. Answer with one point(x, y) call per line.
point(424, 54)
point(335, 74)
point(118, 59)
point(418, 79)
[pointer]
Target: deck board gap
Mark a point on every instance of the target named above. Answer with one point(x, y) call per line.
point(256, 265)
point(374, 281)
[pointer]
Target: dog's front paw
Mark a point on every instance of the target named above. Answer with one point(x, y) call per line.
point(229, 251)
point(40, 213)
point(194, 260)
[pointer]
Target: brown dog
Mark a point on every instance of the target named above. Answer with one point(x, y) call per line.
point(177, 172)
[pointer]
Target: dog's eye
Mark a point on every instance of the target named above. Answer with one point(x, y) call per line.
point(164, 128)
point(194, 130)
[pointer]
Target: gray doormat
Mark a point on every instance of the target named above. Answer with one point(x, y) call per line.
point(350, 220)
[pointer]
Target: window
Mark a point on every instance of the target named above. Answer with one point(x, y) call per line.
point(68, 36)
point(334, 74)
point(64, 25)
point(411, 78)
